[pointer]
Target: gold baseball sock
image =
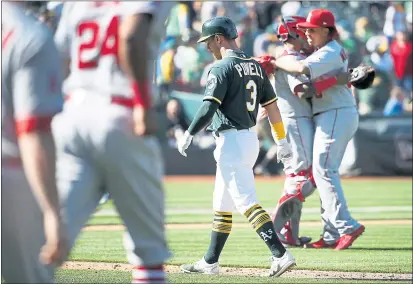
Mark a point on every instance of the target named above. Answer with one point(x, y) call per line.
point(221, 228)
point(262, 224)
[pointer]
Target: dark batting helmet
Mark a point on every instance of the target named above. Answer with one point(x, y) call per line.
point(219, 26)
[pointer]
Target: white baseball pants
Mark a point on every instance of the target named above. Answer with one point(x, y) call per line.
point(236, 153)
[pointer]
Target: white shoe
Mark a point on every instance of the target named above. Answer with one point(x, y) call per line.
point(280, 265)
point(201, 267)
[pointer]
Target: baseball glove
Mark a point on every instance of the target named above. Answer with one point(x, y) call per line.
point(362, 76)
point(265, 62)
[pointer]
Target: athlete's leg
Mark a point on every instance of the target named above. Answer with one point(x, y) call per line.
point(239, 153)
point(221, 226)
point(78, 179)
point(298, 183)
point(300, 135)
point(134, 177)
point(22, 231)
point(236, 160)
point(334, 129)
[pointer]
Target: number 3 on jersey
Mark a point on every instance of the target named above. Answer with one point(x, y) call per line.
point(253, 87)
point(109, 45)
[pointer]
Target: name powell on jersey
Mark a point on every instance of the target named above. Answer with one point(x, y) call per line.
point(248, 69)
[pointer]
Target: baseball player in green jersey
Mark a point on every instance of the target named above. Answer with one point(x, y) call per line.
point(236, 86)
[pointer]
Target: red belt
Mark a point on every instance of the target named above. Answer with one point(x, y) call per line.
point(117, 100)
point(126, 102)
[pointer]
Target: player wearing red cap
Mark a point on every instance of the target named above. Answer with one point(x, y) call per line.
point(335, 119)
point(300, 131)
point(294, 93)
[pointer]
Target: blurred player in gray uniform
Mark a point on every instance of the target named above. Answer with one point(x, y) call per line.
point(335, 121)
point(31, 95)
point(104, 135)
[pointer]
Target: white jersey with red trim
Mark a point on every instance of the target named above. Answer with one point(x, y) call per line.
point(325, 62)
point(31, 76)
point(87, 35)
point(284, 83)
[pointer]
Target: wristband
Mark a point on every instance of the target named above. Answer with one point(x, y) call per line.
point(278, 130)
point(141, 96)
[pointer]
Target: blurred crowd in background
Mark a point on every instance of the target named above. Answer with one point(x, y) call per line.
point(374, 33)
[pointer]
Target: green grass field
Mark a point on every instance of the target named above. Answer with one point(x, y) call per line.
point(383, 248)
point(245, 249)
point(82, 276)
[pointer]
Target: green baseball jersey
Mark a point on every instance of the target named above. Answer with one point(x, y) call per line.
point(238, 83)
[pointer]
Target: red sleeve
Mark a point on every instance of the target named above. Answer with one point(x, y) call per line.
point(322, 85)
point(32, 124)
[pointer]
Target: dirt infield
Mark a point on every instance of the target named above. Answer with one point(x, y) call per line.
point(251, 272)
point(196, 178)
point(242, 225)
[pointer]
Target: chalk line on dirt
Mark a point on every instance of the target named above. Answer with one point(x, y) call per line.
point(244, 271)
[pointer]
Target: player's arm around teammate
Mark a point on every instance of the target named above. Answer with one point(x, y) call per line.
point(336, 120)
point(312, 88)
point(306, 89)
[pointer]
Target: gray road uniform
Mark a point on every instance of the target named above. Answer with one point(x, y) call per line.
point(98, 151)
point(336, 120)
point(31, 96)
point(297, 116)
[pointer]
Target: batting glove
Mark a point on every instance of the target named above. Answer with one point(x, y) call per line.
point(284, 151)
point(184, 142)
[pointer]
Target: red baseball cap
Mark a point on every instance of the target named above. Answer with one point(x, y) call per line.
point(318, 18)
